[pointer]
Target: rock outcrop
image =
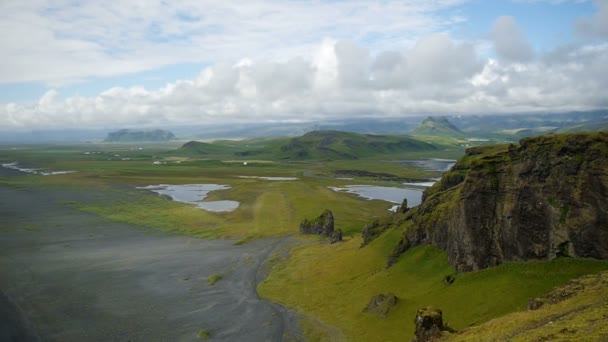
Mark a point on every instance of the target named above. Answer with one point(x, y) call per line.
point(322, 225)
point(429, 325)
point(381, 304)
point(336, 236)
point(544, 198)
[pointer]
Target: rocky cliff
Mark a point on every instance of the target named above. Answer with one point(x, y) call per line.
point(543, 198)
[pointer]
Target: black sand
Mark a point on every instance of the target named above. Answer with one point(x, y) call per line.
point(66, 275)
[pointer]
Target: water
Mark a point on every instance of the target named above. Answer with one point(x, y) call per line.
point(194, 194)
point(271, 178)
point(15, 166)
point(434, 164)
point(384, 193)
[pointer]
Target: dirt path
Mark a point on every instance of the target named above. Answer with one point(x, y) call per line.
point(78, 277)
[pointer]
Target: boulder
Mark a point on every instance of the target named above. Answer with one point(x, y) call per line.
point(381, 304)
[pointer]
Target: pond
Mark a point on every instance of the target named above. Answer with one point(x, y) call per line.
point(194, 194)
point(433, 164)
point(384, 193)
point(270, 178)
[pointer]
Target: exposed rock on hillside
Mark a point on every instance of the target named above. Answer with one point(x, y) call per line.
point(544, 198)
point(322, 225)
point(429, 325)
point(381, 304)
point(336, 236)
point(127, 135)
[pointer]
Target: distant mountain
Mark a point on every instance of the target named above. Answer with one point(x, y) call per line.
point(322, 145)
point(127, 135)
point(437, 126)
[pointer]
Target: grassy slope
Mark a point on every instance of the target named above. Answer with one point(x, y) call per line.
point(582, 317)
point(334, 282)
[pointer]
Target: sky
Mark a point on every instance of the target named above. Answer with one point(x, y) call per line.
point(156, 63)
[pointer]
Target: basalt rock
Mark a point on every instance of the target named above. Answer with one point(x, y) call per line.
point(336, 236)
point(429, 325)
point(381, 304)
point(322, 225)
point(544, 198)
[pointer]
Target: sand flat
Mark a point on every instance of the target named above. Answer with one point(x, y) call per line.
point(74, 276)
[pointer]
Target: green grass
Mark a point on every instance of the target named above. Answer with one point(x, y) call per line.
point(582, 317)
point(203, 334)
point(214, 278)
point(333, 283)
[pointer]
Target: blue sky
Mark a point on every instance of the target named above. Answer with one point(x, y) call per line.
point(80, 63)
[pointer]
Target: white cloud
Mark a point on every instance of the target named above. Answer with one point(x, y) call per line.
point(341, 80)
point(597, 24)
point(510, 42)
point(63, 41)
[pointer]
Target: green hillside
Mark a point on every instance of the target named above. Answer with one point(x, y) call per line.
point(316, 145)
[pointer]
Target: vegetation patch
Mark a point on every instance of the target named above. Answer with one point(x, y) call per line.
point(214, 278)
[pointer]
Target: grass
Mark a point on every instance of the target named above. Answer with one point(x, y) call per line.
point(203, 334)
point(583, 317)
point(214, 278)
point(334, 283)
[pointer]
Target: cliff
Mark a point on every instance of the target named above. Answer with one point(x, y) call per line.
point(543, 198)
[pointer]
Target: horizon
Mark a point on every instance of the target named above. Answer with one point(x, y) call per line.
point(90, 66)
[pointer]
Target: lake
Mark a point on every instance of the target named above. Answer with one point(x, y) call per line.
point(384, 193)
point(194, 194)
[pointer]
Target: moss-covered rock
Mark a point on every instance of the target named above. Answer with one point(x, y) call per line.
point(546, 197)
point(381, 304)
point(322, 225)
point(429, 325)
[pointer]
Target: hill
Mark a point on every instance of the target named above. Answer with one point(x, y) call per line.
point(317, 145)
point(437, 126)
point(346, 145)
point(127, 135)
point(539, 200)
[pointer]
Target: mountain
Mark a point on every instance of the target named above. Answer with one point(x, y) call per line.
point(437, 126)
point(127, 135)
point(543, 198)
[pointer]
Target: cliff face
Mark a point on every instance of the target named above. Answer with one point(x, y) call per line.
point(544, 198)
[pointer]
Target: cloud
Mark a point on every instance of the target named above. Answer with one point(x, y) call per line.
point(597, 24)
point(510, 42)
point(62, 42)
point(340, 79)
